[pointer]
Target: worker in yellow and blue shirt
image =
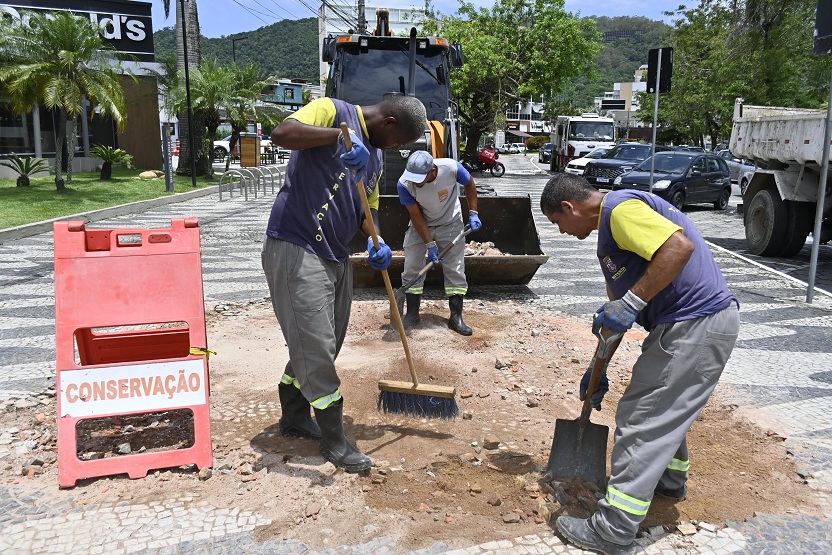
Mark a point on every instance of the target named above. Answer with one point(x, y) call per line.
point(660, 274)
point(306, 251)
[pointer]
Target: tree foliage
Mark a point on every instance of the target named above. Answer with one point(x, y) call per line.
point(759, 50)
point(515, 50)
point(59, 59)
point(287, 49)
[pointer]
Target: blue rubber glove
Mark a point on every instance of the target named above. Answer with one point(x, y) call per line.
point(356, 158)
point(378, 259)
point(474, 221)
point(619, 315)
point(433, 254)
point(603, 387)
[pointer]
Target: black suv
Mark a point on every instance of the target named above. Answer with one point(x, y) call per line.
point(622, 158)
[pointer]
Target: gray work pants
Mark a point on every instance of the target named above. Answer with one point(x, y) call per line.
point(453, 266)
point(679, 366)
point(311, 297)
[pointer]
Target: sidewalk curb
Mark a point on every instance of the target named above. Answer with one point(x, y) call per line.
point(28, 230)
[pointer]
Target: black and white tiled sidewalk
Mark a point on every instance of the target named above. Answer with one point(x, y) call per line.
point(781, 370)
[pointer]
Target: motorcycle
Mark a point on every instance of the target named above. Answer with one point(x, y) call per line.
point(486, 159)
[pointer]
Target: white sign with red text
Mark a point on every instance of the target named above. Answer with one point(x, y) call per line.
point(135, 388)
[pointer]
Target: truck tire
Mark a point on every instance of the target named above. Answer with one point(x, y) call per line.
point(765, 222)
point(801, 220)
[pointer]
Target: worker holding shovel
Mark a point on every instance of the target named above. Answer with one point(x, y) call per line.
point(660, 274)
point(429, 188)
point(306, 251)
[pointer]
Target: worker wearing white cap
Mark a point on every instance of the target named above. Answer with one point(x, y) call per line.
point(429, 188)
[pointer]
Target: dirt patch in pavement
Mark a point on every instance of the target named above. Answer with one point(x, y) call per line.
point(465, 481)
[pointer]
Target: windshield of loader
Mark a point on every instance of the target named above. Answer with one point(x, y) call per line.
point(365, 75)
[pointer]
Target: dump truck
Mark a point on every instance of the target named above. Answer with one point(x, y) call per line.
point(780, 201)
point(365, 67)
point(577, 136)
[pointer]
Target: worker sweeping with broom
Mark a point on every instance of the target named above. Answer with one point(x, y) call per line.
point(306, 251)
point(429, 188)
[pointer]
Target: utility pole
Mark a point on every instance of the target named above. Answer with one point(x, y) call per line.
point(233, 49)
point(362, 21)
point(193, 148)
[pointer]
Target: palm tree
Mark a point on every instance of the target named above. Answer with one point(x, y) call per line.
point(240, 104)
point(58, 59)
point(190, 18)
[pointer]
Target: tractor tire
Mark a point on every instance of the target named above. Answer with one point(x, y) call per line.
point(765, 221)
point(801, 220)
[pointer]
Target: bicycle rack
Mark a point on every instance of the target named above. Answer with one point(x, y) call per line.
point(244, 181)
point(251, 178)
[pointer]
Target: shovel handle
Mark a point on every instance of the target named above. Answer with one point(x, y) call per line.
point(394, 307)
point(465, 231)
point(607, 339)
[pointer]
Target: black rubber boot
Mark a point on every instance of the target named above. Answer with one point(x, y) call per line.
point(334, 445)
point(455, 321)
point(296, 420)
point(412, 318)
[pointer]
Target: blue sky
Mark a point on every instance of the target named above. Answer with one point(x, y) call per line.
point(228, 17)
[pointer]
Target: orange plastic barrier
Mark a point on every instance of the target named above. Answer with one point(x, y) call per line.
point(129, 312)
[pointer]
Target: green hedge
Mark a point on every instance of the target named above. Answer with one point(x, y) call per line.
point(534, 143)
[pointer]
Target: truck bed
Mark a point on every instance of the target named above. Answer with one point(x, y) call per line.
point(785, 135)
point(508, 222)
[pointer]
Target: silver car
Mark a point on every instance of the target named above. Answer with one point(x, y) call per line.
point(737, 166)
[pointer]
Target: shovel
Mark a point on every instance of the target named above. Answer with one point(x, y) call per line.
point(579, 448)
point(400, 292)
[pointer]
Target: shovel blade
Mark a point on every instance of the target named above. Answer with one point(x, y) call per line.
point(579, 454)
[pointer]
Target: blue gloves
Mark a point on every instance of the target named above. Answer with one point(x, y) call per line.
point(619, 315)
point(378, 259)
point(356, 158)
point(603, 387)
point(433, 254)
point(474, 221)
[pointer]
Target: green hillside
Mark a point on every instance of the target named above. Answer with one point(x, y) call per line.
point(620, 57)
point(287, 49)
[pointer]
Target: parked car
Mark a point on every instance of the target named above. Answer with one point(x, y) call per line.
point(745, 178)
point(689, 148)
point(508, 148)
point(222, 147)
point(620, 159)
point(682, 178)
point(544, 155)
point(521, 147)
point(737, 166)
point(578, 165)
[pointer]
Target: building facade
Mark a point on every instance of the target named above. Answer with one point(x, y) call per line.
point(128, 27)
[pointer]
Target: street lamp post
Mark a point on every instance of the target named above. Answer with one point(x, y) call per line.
point(233, 49)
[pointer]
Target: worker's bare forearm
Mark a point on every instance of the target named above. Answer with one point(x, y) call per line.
point(365, 225)
point(471, 195)
point(667, 263)
point(295, 135)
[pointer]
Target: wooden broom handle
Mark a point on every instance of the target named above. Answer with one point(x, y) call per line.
point(394, 308)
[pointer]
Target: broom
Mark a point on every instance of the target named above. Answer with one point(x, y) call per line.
point(405, 398)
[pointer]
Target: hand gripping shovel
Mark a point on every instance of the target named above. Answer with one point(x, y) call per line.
point(400, 292)
point(579, 448)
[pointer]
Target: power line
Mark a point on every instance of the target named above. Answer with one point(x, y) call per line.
point(252, 12)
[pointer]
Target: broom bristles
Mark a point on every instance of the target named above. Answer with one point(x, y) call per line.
point(425, 406)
